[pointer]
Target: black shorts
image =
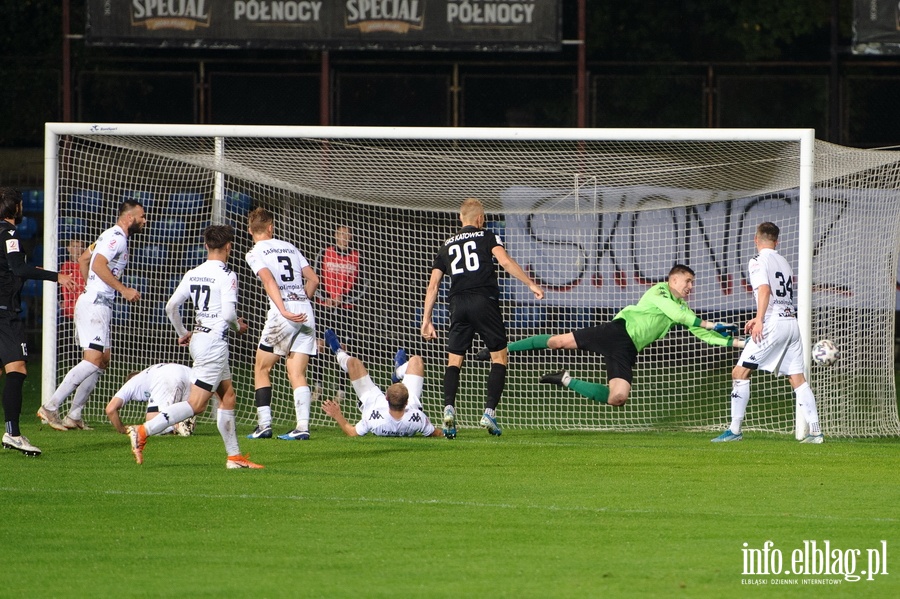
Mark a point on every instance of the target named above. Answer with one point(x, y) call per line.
point(471, 313)
point(611, 340)
point(12, 338)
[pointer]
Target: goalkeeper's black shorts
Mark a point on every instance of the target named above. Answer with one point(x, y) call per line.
point(611, 340)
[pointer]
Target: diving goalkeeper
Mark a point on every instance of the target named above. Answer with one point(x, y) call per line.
point(633, 328)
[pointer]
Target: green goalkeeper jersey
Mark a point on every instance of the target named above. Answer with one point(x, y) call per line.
point(657, 312)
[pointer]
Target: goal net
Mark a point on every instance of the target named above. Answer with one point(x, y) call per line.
point(597, 216)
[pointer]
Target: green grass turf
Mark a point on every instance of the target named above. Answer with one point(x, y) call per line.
point(530, 514)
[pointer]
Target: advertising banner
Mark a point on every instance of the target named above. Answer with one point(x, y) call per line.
point(480, 25)
point(608, 259)
point(876, 27)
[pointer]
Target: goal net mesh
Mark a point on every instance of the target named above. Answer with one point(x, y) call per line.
point(597, 222)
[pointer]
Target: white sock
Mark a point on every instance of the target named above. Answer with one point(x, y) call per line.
point(169, 417)
point(490, 412)
point(342, 358)
point(400, 371)
point(264, 415)
point(225, 422)
point(83, 393)
point(302, 400)
point(740, 397)
point(75, 377)
point(807, 402)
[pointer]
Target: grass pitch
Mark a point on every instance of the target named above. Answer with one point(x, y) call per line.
point(529, 514)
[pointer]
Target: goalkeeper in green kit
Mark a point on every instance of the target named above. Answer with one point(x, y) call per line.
point(633, 328)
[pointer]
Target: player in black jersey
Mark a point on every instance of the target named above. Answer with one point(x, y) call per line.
point(13, 351)
point(474, 301)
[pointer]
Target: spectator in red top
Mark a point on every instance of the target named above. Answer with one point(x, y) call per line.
point(342, 285)
point(71, 268)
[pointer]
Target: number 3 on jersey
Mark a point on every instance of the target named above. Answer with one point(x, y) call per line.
point(465, 253)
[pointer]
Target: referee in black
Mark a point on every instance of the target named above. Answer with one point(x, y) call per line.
point(13, 351)
point(474, 298)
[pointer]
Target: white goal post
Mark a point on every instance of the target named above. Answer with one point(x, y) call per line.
point(596, 214)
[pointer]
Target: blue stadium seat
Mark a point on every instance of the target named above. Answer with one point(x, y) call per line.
point(238, 202)
point(527, 316)
point(170, 230)
point(33, 201)
point(33, 288)
point(152, 255)
point(187, 204)
point(193, 255)
point(27, 229)
point(85, 201)
point(72, 226)
point(145, 198)
point(36, 257)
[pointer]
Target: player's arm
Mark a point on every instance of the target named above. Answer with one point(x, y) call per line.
point(112, 412)
point(310, 281)
point(100, 267)
point(84, 262)
point(754, 326)
point(173, 312)
point(20, 268)
point(431, 294)
point(437, 432)
point(333, 409)
point(513, 268)
point(274, 293)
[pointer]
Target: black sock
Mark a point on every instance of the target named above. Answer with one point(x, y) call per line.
point(264, 397)
point(495, 384)
point(12, 401)
point(451, 385)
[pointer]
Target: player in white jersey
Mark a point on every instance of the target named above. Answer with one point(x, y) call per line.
point(213, 289)
point(102, 266)
point(774, 343)
point(160, 386)
point(290, 328)
point(396, 412)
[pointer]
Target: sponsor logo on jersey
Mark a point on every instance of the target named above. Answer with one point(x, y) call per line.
point(12, 245)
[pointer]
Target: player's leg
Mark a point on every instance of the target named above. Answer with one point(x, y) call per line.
point(263, 364)
point(73, 419)
point(297, 363)
point(740, 397)
point(413, 378)
point(806, 401)
point(614, 394)
point(794, 367)
point(12, 355)
point(493, 332)
point(92, 322)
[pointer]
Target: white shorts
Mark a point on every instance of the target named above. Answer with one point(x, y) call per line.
point(92, 322)
point(210, 354)
point(369, 393)
point(165, 391)
point(779, 352)
point(281, 336)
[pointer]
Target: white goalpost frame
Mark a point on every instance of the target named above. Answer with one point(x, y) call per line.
point(53, 131)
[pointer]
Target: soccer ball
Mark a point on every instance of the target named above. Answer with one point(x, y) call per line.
point(825, 352)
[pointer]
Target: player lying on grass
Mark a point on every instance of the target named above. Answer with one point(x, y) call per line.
point(619, 341)
point(394, 413)
point(160, 385)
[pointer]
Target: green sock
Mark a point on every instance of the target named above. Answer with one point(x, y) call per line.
point(535, 342)
point(593, 391)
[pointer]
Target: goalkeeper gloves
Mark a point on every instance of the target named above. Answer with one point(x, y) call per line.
point(725, 329)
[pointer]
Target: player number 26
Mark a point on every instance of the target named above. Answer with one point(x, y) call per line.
point(465, 254)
